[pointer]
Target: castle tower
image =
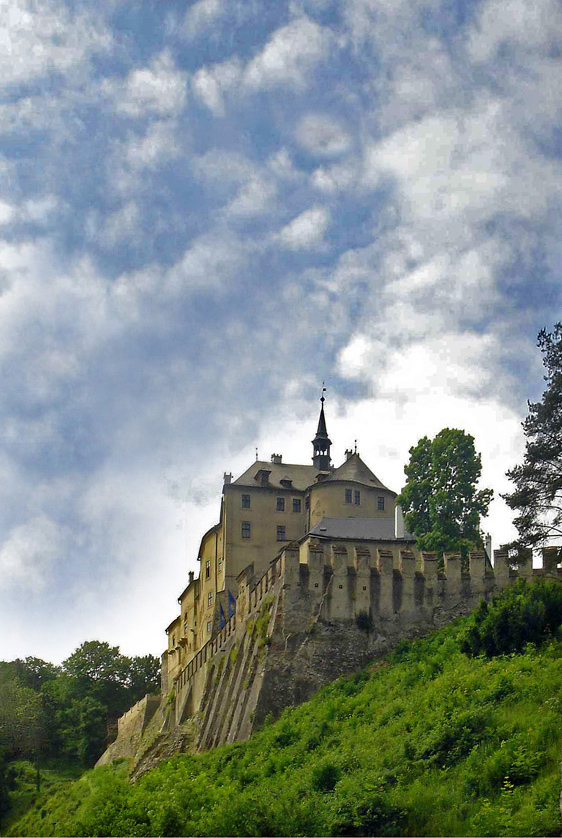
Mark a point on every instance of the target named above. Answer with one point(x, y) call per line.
point(321, 442)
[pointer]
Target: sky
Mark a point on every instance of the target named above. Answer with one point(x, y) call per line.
point(207, 209)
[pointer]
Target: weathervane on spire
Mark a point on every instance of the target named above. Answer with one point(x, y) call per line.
point(321, 442)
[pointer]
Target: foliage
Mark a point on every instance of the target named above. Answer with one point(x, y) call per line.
point(427, 742)
point(20, 718)
point(519, 615)
point(441, 503)
point(48, 711)
point(537, 497)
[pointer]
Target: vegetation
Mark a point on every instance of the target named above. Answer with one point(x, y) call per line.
point(429, 741)
point(442, 506)
point(537, 497)
point(60, 716)
point(521, 615)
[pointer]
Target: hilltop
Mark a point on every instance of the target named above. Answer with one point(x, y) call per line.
point(428, 741)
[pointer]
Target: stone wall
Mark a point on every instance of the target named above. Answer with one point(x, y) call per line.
point(130, 729)
point(316, 614)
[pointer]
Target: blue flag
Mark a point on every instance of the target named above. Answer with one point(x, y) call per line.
point(222, 617)
point(231, 605)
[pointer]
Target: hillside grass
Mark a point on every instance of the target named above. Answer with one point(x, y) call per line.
point(426, 742)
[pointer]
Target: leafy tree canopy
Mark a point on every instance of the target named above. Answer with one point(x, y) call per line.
point(441, 504)
point(537, 497)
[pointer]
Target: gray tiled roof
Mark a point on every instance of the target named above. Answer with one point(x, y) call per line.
point(357, 471)
point(302, 476)
point(358, 529)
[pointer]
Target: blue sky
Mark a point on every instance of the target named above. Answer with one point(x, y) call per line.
point(208, 208)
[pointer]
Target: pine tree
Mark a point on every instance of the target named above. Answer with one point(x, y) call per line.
point(537, 497)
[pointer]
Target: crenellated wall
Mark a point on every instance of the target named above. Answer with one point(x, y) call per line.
point(321, 610)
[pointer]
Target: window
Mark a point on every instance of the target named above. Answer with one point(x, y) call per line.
point(297, 504)
point(357, 498)
point(281, 534)
point(245, 501)
point(307, 503)
point(246, 529)
point(380, 503)
point(280, 505)
point(220, 564)
point(348, 497)
point(210, 598)
point(209, 626)
point(173, 640)
point(207, 569)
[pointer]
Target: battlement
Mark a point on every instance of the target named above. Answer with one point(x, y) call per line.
point(323, 608)
point(394, 589)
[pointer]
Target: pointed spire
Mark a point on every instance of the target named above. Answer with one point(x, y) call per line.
point(321, 442)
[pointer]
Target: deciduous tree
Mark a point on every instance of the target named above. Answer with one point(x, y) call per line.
point(441, 503)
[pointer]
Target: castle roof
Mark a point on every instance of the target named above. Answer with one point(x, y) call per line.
point(358, 529)
point(355, 470)
point(295, 476)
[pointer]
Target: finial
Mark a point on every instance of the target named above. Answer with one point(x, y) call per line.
point(256, 454)
point(322, 399)
point(355, 452)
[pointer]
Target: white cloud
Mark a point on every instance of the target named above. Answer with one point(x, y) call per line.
point(525, 25)
point(156, 146)
point(157, 89)
point(306, 230)
point(37, 39)
point(28, 553)
point(323, 135)
point(253, 198)
point(214, 82)
point(7, 212)
point(201, 15)
point(290, 56)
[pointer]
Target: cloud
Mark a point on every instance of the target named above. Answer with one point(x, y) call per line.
point(525, 26)
point(201, 15)
point(159, 89)
point(211, 84)
point(37, 40)
point(306, 230)
point(323, 135)
point(289, 57)
point(28, 553)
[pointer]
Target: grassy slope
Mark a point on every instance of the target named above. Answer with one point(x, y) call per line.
point(429, 742)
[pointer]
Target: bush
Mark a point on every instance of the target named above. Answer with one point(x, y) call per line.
point(519, 615)
point(325, 776)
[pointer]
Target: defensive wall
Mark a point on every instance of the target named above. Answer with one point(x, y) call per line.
point(321, 610)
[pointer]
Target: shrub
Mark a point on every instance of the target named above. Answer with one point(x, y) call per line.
point(325, 776)
point(519, 615)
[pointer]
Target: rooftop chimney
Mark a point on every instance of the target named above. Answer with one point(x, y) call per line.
point(348, 453)
point(191, 575)
point(277, 458)
point(227, 478)
point(399, 528)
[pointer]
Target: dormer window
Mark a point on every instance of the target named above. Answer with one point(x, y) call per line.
point(262, 476)
point(286, 482)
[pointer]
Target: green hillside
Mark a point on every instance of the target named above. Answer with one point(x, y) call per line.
point(429, 741)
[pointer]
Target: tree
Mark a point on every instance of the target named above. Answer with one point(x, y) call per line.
point(442, 506)
point(143, 676)
point(537, 497)
point(99, 670)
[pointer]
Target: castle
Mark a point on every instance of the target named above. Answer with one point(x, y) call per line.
point(269, 506)
point(309, 574)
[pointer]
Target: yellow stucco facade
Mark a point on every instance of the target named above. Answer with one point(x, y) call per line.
point(269, 506)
